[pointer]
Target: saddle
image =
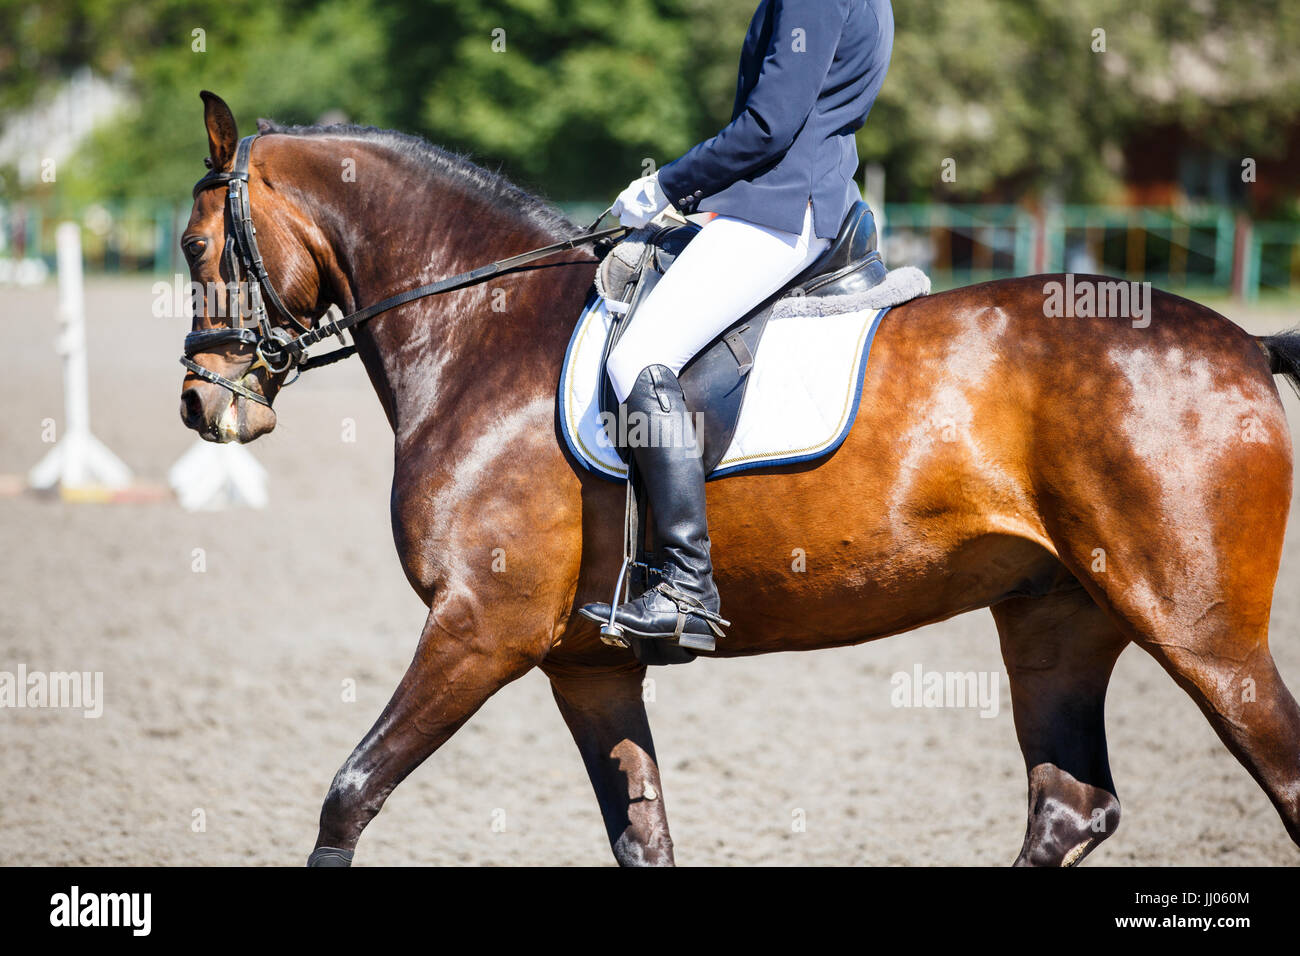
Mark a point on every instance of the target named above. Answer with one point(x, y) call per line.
point(714, 381)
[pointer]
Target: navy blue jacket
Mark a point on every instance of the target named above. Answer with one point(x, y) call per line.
point(809, 72)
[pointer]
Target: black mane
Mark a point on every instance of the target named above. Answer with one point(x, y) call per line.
point(444, 164)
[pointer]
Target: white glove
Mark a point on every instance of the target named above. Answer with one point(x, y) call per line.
point(640, 202)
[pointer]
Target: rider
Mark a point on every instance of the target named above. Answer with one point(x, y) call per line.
point(779, 180)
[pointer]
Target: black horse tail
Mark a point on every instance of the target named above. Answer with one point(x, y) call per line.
point(1283, 351)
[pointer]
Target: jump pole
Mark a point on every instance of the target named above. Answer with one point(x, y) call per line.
point(78, 459)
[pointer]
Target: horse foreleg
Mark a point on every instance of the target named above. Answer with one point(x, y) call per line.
point(455, 670)
point(606, 714)
point(1059, 651)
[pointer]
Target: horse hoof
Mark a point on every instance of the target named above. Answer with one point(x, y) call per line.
point(329, 856)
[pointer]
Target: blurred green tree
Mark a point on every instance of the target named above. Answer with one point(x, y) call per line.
point(293, 62)
point(574, 98)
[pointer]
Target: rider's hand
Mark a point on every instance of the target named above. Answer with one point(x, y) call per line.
point(640, 202)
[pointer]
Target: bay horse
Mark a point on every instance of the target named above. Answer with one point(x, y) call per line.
point(1092, 482)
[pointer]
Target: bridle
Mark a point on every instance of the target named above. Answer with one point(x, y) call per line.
point(275, 347)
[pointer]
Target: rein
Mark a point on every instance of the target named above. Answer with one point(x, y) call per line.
point(277, 350)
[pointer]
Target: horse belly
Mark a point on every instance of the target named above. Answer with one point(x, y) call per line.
point(922, 513)
point(802, 586)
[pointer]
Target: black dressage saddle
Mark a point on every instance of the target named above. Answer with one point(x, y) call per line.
point(714, 381)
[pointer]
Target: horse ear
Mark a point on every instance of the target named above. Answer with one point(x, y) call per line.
point(223, 135)
point(265, 125)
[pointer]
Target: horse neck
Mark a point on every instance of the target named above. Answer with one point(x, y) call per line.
point(482, 347)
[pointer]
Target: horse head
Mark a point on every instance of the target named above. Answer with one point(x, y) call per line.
point(236, 355)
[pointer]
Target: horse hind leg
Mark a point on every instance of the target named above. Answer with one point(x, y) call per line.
point(1190, 580)
point(1222, 660)
point(1233, 680)
point(1059, 651)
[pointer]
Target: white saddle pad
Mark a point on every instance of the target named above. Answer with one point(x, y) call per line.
point(803, 390)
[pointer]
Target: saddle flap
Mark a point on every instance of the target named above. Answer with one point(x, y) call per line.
point(714, 381)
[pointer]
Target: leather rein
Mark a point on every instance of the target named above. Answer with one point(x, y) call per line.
point(275, 348)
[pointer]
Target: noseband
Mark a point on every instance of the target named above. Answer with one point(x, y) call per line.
point(275, 347)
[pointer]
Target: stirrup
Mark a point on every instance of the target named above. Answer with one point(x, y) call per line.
point(611, 632)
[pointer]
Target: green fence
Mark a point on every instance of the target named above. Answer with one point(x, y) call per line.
point(1207, 251)
point(115, 237)
point(1210, 250)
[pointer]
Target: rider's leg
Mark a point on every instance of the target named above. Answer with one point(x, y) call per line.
point(683, 603)
point(726, 270)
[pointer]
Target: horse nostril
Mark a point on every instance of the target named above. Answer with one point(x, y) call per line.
point(191, 408)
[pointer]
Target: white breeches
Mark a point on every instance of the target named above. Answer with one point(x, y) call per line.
point(726, 270)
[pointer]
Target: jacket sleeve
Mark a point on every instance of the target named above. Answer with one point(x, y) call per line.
point(788, 84)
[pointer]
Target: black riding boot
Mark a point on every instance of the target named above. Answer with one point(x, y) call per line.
point(683, 602)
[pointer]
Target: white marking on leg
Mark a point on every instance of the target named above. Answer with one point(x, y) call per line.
point(352, 779)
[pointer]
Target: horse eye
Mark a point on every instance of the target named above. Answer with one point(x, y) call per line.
point(194, 248)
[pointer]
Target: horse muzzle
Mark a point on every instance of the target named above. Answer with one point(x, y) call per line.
point(219, 415)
